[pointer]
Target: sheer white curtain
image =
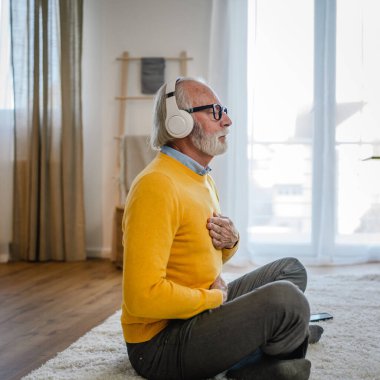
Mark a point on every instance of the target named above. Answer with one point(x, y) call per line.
point(6, 133)
point(228, 76)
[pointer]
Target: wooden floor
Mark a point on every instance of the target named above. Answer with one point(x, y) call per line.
point(44, 307)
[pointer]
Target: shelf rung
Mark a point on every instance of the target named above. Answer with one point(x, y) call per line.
point(134, 97)
point(166, 58)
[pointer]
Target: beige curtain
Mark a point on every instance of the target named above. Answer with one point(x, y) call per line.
point(48, 215)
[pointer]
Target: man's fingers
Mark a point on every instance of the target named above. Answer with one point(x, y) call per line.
point(213, 226)
point(220, 222)
point(217, 243)
point(221, 239)
point(213, 234)
point(217, 230)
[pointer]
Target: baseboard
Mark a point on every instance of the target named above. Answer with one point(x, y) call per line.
point(4, 252)
point(98, 253)
point(4, 257)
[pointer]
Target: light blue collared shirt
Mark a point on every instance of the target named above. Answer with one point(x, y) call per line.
point(185, 160)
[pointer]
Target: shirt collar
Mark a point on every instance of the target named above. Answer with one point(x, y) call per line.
point(185, 160)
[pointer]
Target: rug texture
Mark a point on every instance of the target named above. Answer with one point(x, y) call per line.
point(349, 348)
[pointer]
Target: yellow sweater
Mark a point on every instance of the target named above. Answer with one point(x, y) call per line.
point(169, 259)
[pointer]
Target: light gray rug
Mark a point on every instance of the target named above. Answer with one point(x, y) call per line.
point(349, 349)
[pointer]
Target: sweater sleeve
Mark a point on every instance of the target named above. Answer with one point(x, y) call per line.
point(228, 253)
point(151, 219)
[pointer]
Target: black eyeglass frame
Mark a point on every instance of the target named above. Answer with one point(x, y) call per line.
point(217, 110)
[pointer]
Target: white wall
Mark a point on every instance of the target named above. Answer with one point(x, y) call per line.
point(143, 28)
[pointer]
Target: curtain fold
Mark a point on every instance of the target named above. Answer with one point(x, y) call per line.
point(324, 162)
point(227, 74)
point(48, 213)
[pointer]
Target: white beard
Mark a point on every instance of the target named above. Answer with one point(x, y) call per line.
point(208, 143)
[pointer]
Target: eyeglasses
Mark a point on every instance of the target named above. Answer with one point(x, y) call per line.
point(217, 110)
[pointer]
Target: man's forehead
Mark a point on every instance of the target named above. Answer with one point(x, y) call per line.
point(202, 94)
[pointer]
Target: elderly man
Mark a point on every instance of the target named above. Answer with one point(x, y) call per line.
point(180, 320)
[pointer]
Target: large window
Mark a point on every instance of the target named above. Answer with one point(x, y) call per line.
point(284, 193)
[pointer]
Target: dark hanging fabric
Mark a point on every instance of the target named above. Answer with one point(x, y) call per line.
point(152, 74)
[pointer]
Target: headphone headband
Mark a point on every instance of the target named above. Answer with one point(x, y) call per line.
point(170, 86)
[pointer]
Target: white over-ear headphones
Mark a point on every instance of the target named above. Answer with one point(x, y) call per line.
point(178, 123)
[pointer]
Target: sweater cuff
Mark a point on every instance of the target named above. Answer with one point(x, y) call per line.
point(229, 252)
point(215, 299)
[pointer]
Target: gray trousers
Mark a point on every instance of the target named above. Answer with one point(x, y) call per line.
point(266, 309)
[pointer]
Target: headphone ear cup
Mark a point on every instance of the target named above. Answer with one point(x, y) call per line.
point(179, 124)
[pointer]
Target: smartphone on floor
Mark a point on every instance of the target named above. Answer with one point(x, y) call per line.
point(320, 317)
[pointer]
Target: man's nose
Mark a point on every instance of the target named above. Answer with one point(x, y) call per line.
point(226, 121)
